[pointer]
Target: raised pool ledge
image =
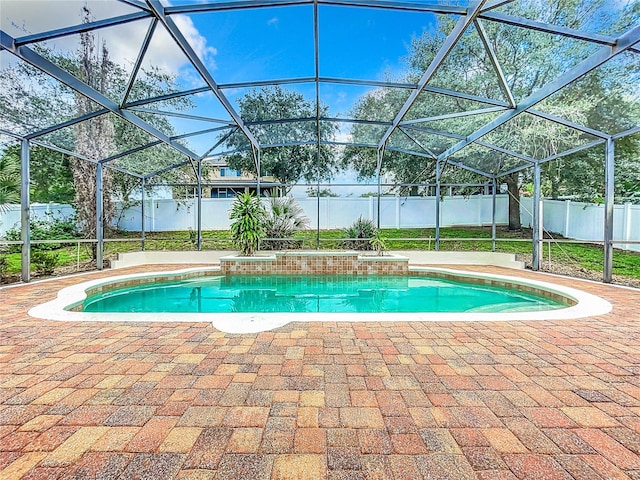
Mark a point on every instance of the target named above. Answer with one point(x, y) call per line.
point(315, 263)
point(416, 257)
point(582, 304)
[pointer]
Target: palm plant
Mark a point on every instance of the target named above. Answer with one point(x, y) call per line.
point(248, 228)
point(378, 243)
point(284, 218)
point(358, 235)
point(9, 182)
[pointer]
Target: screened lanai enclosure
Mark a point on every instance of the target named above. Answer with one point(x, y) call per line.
point(370, 98)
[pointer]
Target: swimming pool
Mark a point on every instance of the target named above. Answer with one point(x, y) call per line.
point(318, 294)
point(68, 304)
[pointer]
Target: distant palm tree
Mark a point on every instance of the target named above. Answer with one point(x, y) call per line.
point(9, 182)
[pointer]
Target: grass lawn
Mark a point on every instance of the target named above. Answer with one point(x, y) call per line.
point(585, 256)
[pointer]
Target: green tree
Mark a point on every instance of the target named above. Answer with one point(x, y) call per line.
point(324, 192)
point(27, 93)
point(50, 174)
point(524, 55)
point(9, 182)
point(288, 164)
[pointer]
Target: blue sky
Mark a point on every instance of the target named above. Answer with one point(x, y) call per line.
point(271, 43)
point(246, 45)
point(277, 43)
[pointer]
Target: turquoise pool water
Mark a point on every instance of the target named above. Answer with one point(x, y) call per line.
point(330, 294)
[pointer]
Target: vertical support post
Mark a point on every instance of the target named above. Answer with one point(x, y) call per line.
point(535, 264)
point(479, 205)
point(318, 209)
point(142, 212)
point(25, 211)
point(258, 168)
point(608, 210)
point(379, 195)
point(438, 167)
point(199, 201)
point(99, 216)
point(316, 68)
point(494, 186)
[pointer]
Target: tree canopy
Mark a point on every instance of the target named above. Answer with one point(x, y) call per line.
point(270, 113)
point(525, 56)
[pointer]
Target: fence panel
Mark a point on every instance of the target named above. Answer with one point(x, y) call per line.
point(45, 211)
point(576, 220)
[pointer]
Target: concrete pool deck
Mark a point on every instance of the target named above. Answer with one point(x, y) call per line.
point(400, 400)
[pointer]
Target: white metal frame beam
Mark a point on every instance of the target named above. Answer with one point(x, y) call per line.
point(493, 58)
point(168, 23)
point(592, 62)
point(84, 27)
point(550, 28)
point(34, 59)
point(447, 46)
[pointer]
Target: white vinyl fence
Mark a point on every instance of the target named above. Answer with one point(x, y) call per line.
point(335, 212)
point(39, 211)
point(585, 221)
point(576, 220)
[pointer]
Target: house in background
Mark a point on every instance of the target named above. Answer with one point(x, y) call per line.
point(222, 181)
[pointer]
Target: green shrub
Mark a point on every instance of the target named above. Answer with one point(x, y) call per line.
point(378, 243)
point(53, 229)
point(358, 235)
point(44, 263)
point(248, 228)
point(285, 217)
point(4, 265)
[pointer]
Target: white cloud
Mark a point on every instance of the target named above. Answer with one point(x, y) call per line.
point(24, 17)
point(196, 40)
point(273, 22)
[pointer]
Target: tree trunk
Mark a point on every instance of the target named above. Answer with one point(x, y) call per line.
point(513, 188)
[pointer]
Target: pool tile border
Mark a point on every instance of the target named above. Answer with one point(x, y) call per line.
point(315, 263)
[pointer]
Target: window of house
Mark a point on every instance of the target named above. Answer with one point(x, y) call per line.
point(229, 172)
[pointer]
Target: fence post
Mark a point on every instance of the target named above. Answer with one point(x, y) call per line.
point(152, 207)
point(397, 211)
point(371, 208)
point(567, 214)
point(627, 224)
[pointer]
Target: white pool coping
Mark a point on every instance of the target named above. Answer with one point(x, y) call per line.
point(587, 305)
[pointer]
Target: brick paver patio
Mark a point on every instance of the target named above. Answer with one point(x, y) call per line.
point(493, 401)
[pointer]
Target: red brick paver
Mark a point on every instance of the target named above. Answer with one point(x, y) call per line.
point(504, 400)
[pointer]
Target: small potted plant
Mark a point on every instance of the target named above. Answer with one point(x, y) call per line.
point(247, 230)
point(378, 243)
